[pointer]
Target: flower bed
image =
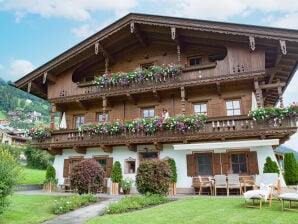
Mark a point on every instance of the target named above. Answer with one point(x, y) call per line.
point(157, 73)
point(179, 123)
point(267, 113)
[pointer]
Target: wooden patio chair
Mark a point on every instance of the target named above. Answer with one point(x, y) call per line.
point(270, 179)
point(263, 194)
point(199, 183)
point(247, 182)
point(66, 187)
point(233, 183)
point(220, 181)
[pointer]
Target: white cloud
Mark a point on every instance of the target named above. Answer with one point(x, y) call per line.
point(1, 67)
point(19, 68)
point(82, 31)
point(70, 9)
point(288, 21)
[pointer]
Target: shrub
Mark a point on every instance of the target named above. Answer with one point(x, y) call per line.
point(70, 203)
point(10, 175)
point(37, 159)
point(270, 166)
point(87, 176)
point(135, 202)
point(116, 174)
point(291, 169)
point(51, 172)
point(153, 176)
point(14, 151)
point(172, 164)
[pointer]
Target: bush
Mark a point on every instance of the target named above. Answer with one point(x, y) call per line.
point(38, 159)
point(87, 176)
point(270, 166)
point(153, 176)
point(291, 169)
point(10, 175)
point(135, 202)
point(116, 174)
point(172, 164)
point(14, 151)
point(51, 172)
point(70, 203)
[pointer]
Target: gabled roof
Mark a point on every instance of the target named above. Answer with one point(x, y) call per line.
point(140, 28)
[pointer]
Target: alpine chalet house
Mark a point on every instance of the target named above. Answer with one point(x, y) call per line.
point(112, 88)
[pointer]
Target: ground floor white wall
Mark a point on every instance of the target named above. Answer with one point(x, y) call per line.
point(183, 183)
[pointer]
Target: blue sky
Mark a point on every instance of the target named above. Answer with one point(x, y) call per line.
point(35, 31)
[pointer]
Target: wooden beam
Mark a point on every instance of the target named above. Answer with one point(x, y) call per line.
point(157, 95)
point(158, 146)
point(82, 104)
point(81, 150)
point(131, 147)
point(272, 85)
point(51, 78)
point(134, 29)
point(54, 151)
point(106, 148)
point(131, 98)
point(106, 54)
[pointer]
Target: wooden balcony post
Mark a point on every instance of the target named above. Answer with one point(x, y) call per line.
point(259, 94)
point(104, 108)
point(53, 115)
point(183, 108)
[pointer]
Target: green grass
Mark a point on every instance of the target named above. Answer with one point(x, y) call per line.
point(33, 176)
point(2, 115)
point(203, 210)
point(25, 209)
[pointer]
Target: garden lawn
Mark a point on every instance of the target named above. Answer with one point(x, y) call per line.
point(203, 210)
point(33, 176)
point(25, 209)
point(2, 115)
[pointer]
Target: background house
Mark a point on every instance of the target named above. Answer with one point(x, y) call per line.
point(229, 69)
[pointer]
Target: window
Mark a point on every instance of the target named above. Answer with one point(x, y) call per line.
point(200, 108)
point(148, 113)
point(194, 61)
point(130, 165)
point(148, 155)
point(79, 120)
point(102, 162)
point(233, 107)
point(238, 162)
point(204, 164)
point(102, 117)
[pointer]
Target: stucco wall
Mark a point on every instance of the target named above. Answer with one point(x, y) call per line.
point(122, 153)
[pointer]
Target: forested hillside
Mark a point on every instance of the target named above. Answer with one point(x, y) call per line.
point(13, 99)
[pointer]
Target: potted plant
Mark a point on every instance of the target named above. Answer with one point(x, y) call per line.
point(126, 185)
point(116, 177)
point(172, 186)
point(50, 182)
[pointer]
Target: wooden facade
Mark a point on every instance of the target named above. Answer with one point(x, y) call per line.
point(223, 65)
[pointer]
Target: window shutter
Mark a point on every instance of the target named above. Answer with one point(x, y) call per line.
point(109, 166)
point(191, 165)
point(66, 168)
point(216, 163)
point(225, 160)
point(253, 163)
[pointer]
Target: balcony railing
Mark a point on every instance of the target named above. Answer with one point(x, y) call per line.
point(189, 78)
point(217, 129)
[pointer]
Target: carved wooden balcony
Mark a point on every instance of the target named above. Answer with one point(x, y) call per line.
point(216, 129)
point(190, 77)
